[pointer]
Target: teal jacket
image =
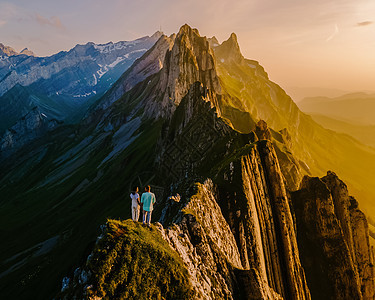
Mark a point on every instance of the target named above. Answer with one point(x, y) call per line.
point(148, 200)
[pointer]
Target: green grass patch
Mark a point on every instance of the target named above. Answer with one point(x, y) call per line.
point(134, 262)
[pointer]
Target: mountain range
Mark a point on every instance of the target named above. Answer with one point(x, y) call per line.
point(356, 108)
point(9, 51)
point(363, 133)
point(64, 83)
point(349, 113)
point(190, 116)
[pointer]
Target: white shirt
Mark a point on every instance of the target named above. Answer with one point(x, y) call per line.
point(134, 198)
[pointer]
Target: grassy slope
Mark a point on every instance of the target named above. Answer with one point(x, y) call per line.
point(133, 262)
point(320, 148)
point(36, 215)
point(19, 100)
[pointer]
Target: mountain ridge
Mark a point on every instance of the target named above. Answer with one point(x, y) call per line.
point(170, 139)
point(6, 50)
point(64, 85)
point(356, 107)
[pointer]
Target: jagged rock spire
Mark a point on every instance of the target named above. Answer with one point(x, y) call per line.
point(191, 59)
point(230, 49)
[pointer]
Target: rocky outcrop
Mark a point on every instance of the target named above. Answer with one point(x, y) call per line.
point(262, 131)
point(334, 241)
point(191, 59)
point(254, 196)
point(363, 250)
point(356, 233)
point(129, 262)
point(204, 241)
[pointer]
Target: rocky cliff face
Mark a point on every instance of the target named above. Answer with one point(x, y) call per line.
point(150, 63)
point(33, 125)
point(251, 188)
point(334, 241)
point(191, 59)
point(229, 49)
point(206, 244)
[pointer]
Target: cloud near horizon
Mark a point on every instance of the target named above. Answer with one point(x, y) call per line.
point(365, 23)
point(53, 21)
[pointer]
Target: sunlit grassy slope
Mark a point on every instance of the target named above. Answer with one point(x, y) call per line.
point(251, 91)
point(134, 262)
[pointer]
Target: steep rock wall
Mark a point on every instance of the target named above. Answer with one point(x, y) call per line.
point(257, 209)
point(333, 239)
point(356, 233)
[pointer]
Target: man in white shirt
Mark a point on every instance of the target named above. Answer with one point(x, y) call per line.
point(136, 204)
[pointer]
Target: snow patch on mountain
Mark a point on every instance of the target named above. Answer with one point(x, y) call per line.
point(84, 95)
point(117, 61)
point(104, 69)
point(109, 47)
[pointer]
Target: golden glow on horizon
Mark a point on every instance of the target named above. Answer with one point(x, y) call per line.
point(300, 43)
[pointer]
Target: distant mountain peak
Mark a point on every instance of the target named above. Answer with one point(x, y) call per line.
point(7, 50)
point(230, 49)
point(233, 37)
point(213, 41)
point(157, 34)
point(27, 52)
point(186, 29)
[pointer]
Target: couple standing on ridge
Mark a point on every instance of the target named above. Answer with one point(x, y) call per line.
point(148, 199)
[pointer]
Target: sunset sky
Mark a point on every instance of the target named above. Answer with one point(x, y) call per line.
point(318, 43)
